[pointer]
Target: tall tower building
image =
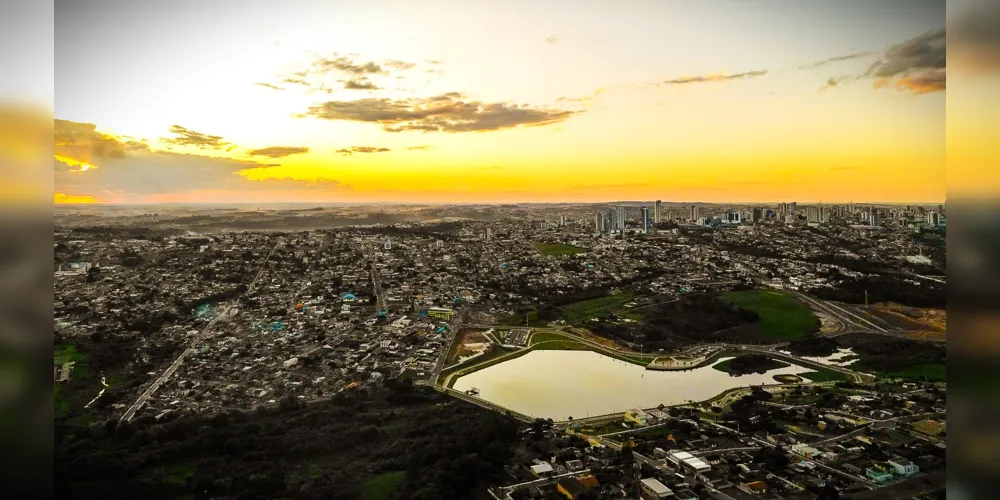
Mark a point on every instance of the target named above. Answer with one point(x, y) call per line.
point(656, 212)
point(933, 218)
point(562, 220)
point(694, 213)
point(646, 221)
point(600, 222)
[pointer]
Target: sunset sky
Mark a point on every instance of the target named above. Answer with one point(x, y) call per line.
point(475, 101)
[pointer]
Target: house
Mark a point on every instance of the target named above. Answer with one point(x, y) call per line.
point(711, 478)
point(570, 488)
point(685, 495)
point(651, 489)
point(877, 476)
point(903, 467)
point(753, 487)
point(542, 470)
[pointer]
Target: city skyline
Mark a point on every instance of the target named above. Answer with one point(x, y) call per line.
point(715, 102)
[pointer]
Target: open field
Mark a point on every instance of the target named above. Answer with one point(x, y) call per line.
point(467, 343)
point(588, 309)
point(781, 315)
point(557, 249)
point(824, 376)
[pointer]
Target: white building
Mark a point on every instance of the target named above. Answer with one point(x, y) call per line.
point(651, 489)
point(903, 466)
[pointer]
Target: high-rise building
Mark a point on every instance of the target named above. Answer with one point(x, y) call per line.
point(562, 220)
point(488, 234)
point(933, 218)
point(757, 214)
point(600, 222)
point(694, 213)
point(873, 219)
point(388, 244)
point(656, 212)
point(616, 218)
point(646, 221)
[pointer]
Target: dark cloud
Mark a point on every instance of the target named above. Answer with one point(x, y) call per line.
point(187, 137)
point(278, 151)
point(715, 78)
point(362, 149)
point(360, 84)
point(443, 113)
point(831, 60)
point(82, 141)
point(422, 147)
point(917, 65)
point(920, 53)
point(552, 39)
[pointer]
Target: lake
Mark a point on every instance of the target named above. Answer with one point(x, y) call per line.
point(560, 384)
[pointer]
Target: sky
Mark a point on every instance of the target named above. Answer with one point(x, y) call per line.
point(492, 102)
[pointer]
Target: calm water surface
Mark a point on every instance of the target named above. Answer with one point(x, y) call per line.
point(560, 384)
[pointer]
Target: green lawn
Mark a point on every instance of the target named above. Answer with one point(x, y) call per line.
point(381, 486)
point(933, 372)
point(62, 405)
point(557, 249)
point(64, 353)
point(781, 315)
point(578, 312)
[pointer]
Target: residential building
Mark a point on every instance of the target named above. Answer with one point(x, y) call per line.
point(651, 489)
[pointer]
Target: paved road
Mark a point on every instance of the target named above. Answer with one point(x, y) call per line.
point(198, 338)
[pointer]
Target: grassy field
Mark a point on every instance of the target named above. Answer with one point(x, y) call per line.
point(62, 405)
point(824, 376)
point(781, 315)
point(557, 249)
point(934, 372)
point(578, 312)
point(64, 353)
point(769, 364)
point(381, 486)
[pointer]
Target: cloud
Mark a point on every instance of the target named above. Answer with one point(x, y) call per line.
point(360, 84)
point(400, 65)
point(268, 85)
point(187, 137)
point(831, 60)
point(422, 147)
point(586, 100)
point(138, 173)
point(552, 40)
point(923, 82)
point(362, 149)
point(278, 151)
point(449, 112)
point(917, 65)
point(343, 64)
point(82, 141)
point(715, 78)
point(836, 81)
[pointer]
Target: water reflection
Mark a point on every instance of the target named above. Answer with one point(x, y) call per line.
point(560, 384)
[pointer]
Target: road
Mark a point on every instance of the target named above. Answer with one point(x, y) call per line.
point(127, 416)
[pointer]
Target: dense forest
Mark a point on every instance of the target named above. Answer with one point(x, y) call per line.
point(423, 444)
point(883, 288)
point(692, 318)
